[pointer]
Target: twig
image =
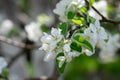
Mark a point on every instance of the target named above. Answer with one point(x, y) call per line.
point(21, 53)
point(104, 19)
point(13, 59)
point(16, 43)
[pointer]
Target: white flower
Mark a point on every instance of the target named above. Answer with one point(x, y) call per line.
point(49, 56)
point(78, 3)
point(71, 55)
point(61, 8)
point(46, 38)
point(88, 52)
point(102, 35)
point(44, 19)
point(67, 50)
point(62, 60)
point(66, 47)
point(90, 35)
point(107, 56)
point(67, 5)
point(50, 43)
point(101, 6)
point(33, 31)
point(95, 33)
point(56, 34)
point(112, 44)
point(108, 49)
point(3, 64)
point(6, 26)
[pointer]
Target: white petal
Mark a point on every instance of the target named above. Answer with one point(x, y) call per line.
point(66, 47)
point(49, 56)
point(46, 38)
point(97, 23)
point(33, 31)
point(88, 53)
point(55, 32)
point(62, 60)
point(44, 47)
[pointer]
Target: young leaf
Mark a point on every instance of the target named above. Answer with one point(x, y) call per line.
point(83, 10)
point(76, 47)
point(90, 19)
point(92, 2)
point(78, 21)
point(60, 69)
point(63, 27)
point(44, 28)
point(70, 15)
point(5, 72)
point(81, 41)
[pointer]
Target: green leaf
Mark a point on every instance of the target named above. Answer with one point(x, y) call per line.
point(60, 69)
point(24, 5)
point(91, 2)
point(76, 47)
point(90, 19)
point(78, 20)
point(13, 32)
point(44, 28)
point(81, 30)
point(30, 69)
point(70, 15)
point(5, 72)
point(81, 41)
point(63, 27)
point(83, 10)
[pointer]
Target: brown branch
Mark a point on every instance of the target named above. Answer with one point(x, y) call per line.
point(13, 59)
point(104, 19)
point(16, 43)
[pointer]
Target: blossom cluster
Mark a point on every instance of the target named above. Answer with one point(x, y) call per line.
point(34, 30)
point(6, 26)
point(93, 34)
point(64, 6)
point(82, 40)
point(108, 49)
point(56, 43)
point(78, 33)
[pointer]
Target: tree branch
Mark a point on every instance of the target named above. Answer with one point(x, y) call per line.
point(16, 43)
point(13, 59)
point(104, 19)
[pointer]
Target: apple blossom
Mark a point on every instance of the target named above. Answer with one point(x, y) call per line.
point(33, 31)
point(108, 49)
point(6, 27)
point(50, 43)
point(67, 5)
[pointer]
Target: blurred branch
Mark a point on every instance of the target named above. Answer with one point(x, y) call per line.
point(25, 51)
point(16, 43)
point(13, 59)
point(104, 19)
